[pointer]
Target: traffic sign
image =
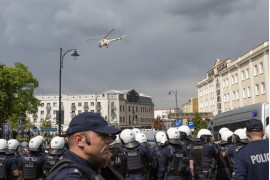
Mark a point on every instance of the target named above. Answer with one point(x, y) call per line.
point(180, 122)
point(191, 125)
point(48, 129)
point(6, 129)
point(177, 124)
point(20, 125)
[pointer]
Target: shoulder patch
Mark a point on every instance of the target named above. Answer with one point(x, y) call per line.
point(74, 172)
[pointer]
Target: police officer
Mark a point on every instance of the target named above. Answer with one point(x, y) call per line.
point(32, 165)
point(252, 160)
point(145, 147)
point(202, 156)
point(89, 139)
point(117, 155)
point(55, 153)
point(160, 139)
point(133, 156)
point(5, 162)
point(224, 170)
point(14, 156)
point(173, 158)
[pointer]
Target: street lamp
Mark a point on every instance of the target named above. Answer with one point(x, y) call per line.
point(62, 55)
point(175, 93)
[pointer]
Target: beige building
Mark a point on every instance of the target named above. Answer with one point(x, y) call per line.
point(124, 108)
point(232, 84)
point(190, 106)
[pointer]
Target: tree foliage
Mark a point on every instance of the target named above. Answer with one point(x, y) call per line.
point(158, 123)
point(199, 123)
point(46, 124)
point(17, 98)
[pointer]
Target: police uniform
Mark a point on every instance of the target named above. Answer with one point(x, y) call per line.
point(117, 157)
point(73, 173)
point(33, 165)
point(203, 154)
point(224, 171)
point(6, 164)
point(14, 157)
point(173, 162)
point(252, 161)
point(155, 153)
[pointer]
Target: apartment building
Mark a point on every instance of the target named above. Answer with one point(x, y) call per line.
point(124, 108)
point(230, 84)
point(190, 106)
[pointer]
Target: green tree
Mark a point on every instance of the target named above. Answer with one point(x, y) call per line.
point(46, 124)
point(17, 98)
point(199, 123)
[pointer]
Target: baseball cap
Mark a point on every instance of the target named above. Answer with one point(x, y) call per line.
point(89, 121)
point(254, 125)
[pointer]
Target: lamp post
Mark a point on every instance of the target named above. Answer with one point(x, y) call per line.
point(62, 55)
point(175, 93)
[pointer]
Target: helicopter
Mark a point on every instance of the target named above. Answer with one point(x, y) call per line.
point(105, 42)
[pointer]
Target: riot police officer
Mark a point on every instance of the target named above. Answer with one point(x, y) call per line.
point(160, 139)
point(133, 156)
point(252, 160)
point(117, 155)
point(14, 156)
point(5, 162)
point(173, 158)
point(224, 170)
point(55, 153)
point(202, 156)
point(32, 164)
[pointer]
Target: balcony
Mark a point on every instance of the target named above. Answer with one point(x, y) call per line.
point(48, 116)
point(113, 107)
point(98, 107)
point(73, 108)
point(48, 107)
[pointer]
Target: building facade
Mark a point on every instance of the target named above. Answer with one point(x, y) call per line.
point(123, 108)
point(190, 106)
point(232, 84)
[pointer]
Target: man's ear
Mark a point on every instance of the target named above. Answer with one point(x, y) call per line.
point(79, 140)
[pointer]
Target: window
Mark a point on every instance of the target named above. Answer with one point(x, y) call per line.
point(236, 79)
point(224, 83)
point(262, 88)
point(244, 93)
point(79, 104)
point(255, 70)
point(261, 67)
point(247, 73)
point(257, 89)
point(41, 112)
point(92, 103)
point(232, 79)
point(233, 95)
point(237, 94)
point(228, 97)
point(243, 75)
point(248, 91)
point(42, 104)
point(227, 83)
point(225, 99)
point(55, 104)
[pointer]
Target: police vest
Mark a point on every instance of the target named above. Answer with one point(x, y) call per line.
point(51, 160)
point(3, 163)
point(134, 159)
point(200, 160)
point(30, 166)
point(118, 158)
point(179, 161)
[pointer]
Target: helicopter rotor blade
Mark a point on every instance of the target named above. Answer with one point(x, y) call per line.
point(108, 33)
point(91, 39)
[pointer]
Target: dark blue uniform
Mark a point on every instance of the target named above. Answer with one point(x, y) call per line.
point(170, 159)
point(155, 153)
point(224, 171)
point(6, 164)
point(73, 173)
point(134, 162)
point(14, 158)
point(252, 161)
point(33, 165)
point(202, 155)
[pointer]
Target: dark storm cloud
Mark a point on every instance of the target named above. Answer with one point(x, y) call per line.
point(170, 44)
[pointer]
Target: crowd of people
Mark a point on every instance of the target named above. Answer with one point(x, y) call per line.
point(92, 149)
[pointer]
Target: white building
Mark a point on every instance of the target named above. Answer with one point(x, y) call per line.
point(232, 84)
point(124, 108)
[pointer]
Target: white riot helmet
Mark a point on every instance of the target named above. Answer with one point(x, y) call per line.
point(267, 131)
point(173, 136)
point(225, 135)
point(184, 131)
point(35, 144)
point(127, 137)
point(141, 138)
point(3, 145)
point(136, 130)
point(205, 135)
point(221, 131)
point(241, 136)
point(57, 145)
point(13, 145)
point(161, 137)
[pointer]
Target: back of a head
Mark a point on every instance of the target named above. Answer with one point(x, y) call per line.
point(241, 133)
point(225, 135)
point(127, 137)
point(161, 137)
point(3, 145)
point(57, 145)
point(13, 144)
point(221, 131)
point(141, 138)
point(184, 131)
point(136, 130)
point(173, 136)
point(205, 135)
point(35, 144)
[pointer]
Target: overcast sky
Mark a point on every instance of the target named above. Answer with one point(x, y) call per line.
point(171, 44)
